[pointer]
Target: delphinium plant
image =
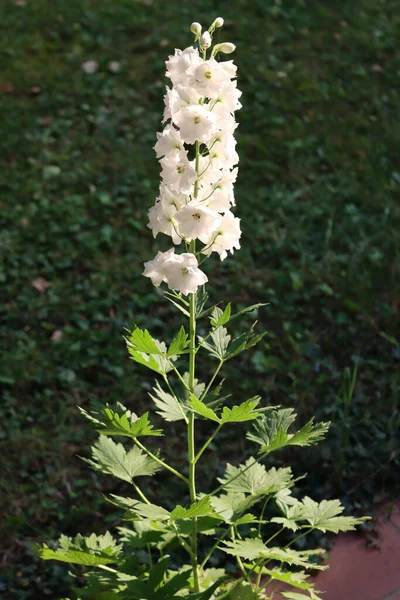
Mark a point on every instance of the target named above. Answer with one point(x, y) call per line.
point(156, 554)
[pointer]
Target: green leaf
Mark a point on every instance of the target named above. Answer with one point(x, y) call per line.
point(159, 364)
point(219, 343)
point(248, 309)
point(247, 519)
point(271, 431)
point(297, 596)
point(255, 479)
point(179, 343)
point(121, 421)
point(243, 342)
point(201, 508)
point(198, 388)
point(243, 591)
point(147, 351)
point(247, 548)
point(169, 407)
point(176, 301)
point(151, 511)
point(309, 434)
point(232, 505)
point(141, 340)
point(200, 300)
point(142, 534)
point(112, 458)
point(209, 593)
point(323, 516)
point(297, 579)
point(219, 317)
point(252, 548)
point(90, 551)
point(201, 409)
point(158, 585)
point(244, 412)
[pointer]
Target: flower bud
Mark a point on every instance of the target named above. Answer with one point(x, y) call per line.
point(225, 48)
point(196, 28)
point(218, 22)
point(205, 40)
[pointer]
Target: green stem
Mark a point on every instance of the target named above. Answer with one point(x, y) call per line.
point(159, 461)
point(210, 553)
point(140, 493)
point(208, 442)
point(191, 420)
point(262, 515)
point(238, 559)
point(105, 568)
point(204, 394)
point(300, 536)
point(183, 382)
point(174, 396)
point(223, 485)
point(180, 538)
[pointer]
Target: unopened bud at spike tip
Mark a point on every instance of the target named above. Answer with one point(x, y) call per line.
point(205, 40)
point(225, 48)
point(218, 22)
point(196, 28)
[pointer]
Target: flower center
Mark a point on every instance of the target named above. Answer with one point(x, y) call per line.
point(208, 74)
point(180, 169)
point(196, 216)
point(184, 271)
point(197, 120)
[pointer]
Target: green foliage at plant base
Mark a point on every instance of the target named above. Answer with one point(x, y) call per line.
point(229, 510)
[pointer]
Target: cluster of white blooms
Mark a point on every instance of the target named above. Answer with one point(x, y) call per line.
point(198, 160)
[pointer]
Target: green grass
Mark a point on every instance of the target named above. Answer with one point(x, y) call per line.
point(318, 195)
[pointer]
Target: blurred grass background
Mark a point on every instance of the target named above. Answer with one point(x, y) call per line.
point(318, 195)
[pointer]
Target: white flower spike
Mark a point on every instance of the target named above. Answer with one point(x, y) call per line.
point(197, 153)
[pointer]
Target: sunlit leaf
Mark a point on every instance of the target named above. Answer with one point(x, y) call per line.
point(253, 478)
point(90, 551)
point(168, 406)
point(112, 458)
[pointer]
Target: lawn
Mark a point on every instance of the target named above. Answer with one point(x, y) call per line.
point(318, 195)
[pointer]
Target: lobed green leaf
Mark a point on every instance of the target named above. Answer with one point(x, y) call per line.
point(112, 458)
point(91, 551)
point(271, 431)
point(120, 421)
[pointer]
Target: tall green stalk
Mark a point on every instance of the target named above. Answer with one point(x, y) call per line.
point(190, 427)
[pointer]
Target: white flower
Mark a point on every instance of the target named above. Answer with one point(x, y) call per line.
point(179, 65)
point(161, 220)
point(229, 95)
point(196, 221)
point(225, 238)
point(223, 151)
point(178, 173)
point(208, 172)
point(169, 142)
point(208, 77)
point(223, 197)
point(182, 273)
point(155, 268)
point(196, 123)
point(177, 98)
point(225, 119)
point(229, 68)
